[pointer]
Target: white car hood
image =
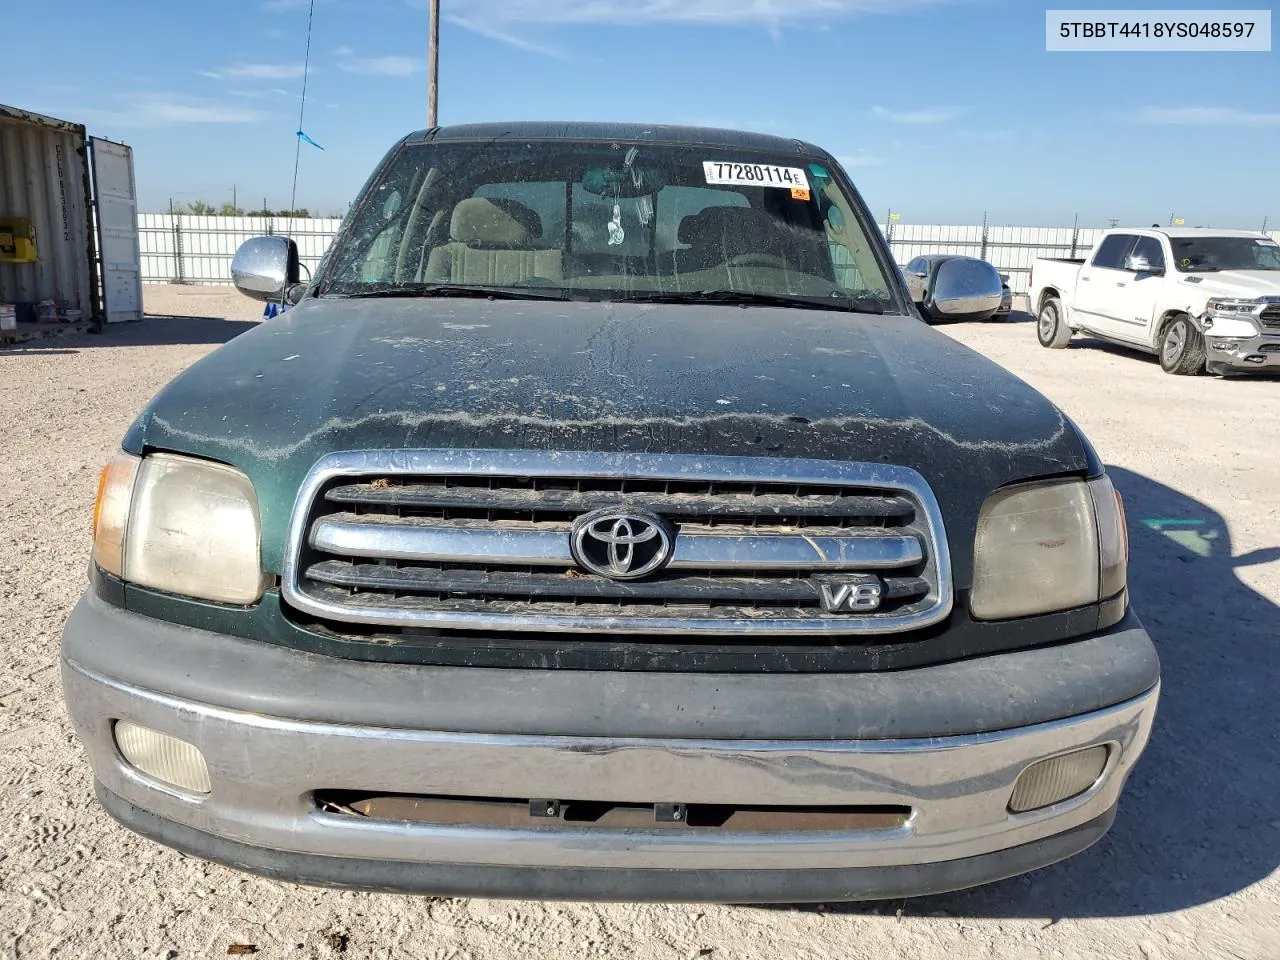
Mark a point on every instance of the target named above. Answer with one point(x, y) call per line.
point(1242, 284)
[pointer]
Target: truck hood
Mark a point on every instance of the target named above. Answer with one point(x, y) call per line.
point(1243, 284)
point(397, 374)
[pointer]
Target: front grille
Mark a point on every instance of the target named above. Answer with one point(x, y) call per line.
point(1270, 317)
point(481, 540)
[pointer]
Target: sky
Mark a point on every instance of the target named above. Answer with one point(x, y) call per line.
point(941, 110)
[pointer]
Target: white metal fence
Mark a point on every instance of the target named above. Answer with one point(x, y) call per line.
point(179, 248)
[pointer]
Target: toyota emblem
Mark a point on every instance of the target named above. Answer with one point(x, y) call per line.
point(621, 546)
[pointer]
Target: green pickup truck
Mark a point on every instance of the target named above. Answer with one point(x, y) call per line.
point(602, 521)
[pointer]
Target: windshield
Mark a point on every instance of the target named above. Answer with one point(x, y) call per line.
point(1211, 254)
point(598, 220)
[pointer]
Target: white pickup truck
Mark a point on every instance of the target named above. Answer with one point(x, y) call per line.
point(1199, 299)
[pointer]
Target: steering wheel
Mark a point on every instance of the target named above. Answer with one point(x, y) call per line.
point(757, 260)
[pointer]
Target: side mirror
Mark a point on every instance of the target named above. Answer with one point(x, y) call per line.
point(266, 268)
point(965, 286)
point(1142, 265)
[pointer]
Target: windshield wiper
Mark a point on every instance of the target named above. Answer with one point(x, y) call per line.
point(467, 291)
point(844, 304)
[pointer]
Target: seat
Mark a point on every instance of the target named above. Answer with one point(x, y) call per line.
point(717, 235)
point(489, 244)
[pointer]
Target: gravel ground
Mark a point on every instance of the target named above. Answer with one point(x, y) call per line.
point(1189, 869)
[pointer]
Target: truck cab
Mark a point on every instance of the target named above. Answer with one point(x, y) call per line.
point(1200, 299)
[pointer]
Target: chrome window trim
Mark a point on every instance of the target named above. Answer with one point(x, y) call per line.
point(590, 465)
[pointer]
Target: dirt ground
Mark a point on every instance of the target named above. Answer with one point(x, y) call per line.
point(1189, 870)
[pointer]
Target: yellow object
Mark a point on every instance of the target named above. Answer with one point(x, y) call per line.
point(17, 240)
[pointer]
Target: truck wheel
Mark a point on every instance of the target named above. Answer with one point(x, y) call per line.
point(1182, 348)
point(1051, 327)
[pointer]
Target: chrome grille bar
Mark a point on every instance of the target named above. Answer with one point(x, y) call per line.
point(570, 584)
point(510, 545)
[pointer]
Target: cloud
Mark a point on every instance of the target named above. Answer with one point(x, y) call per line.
point(259, 94)
point(258, 71)
point(169, 110)
point(504, 20)
point(1208, 117)
point(510, 39)
point(386, 66)
point(767, 13)
point(935, 115)
point(860, 160)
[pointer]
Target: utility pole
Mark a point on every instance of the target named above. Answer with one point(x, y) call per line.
point(234, 204)
point(433, 65)
point(1264, 224)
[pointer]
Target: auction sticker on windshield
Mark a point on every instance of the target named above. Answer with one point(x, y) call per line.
point(755, 175)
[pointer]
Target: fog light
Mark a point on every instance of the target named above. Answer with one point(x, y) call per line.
point(167, 759)
point(1059, 778)
point(1224, 344)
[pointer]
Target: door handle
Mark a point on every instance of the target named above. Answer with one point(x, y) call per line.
point(1085, 279)
point(1121, 284)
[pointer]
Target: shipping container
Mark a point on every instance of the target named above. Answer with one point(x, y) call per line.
point(68, 223)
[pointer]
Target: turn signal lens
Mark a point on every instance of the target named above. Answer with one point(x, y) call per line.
point(111, 512)
point(1059, 778)
point(1113, 537)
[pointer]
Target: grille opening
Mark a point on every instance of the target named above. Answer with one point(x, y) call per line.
point(495, 499)
point(497, 813)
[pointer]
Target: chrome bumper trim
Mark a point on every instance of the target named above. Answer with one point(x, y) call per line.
point(265, 769)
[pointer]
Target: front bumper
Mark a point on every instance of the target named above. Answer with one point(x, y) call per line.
point(261, 813)
point(1244, 354)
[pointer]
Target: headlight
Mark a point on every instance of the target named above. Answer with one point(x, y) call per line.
point(1227, 307)
point(1046, 547)
point(180, 525)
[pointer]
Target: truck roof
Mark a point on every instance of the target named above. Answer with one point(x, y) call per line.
point(655, 133)
point(1191, 231)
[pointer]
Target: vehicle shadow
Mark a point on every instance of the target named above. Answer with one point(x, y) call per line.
point(153, 330)
point(1199, 819)
point(1083, 342)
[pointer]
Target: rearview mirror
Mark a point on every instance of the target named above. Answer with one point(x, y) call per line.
point(628, 183)
point(1142, 265)
point(266, 268)
point(966, 286)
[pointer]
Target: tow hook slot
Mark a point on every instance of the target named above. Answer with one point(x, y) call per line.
point(670, 813)
point(544, 809)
